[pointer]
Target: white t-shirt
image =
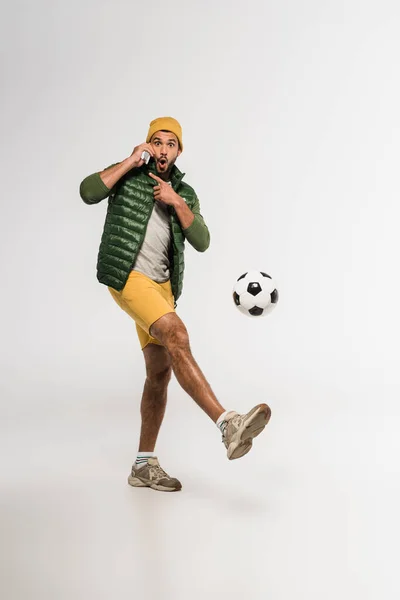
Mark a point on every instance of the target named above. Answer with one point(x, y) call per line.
point(153, 257)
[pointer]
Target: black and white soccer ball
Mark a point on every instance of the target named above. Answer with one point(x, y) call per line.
point(255, 294)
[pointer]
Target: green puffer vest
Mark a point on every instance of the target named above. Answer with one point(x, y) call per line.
point(130, 205)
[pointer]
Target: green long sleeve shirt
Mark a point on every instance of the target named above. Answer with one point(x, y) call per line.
point(93, 190)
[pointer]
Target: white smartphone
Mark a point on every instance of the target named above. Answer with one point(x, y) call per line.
point(145, 156)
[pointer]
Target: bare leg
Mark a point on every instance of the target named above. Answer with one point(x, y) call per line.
point(171, 332)
point(154, 399)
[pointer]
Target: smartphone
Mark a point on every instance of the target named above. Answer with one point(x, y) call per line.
point(145, 156)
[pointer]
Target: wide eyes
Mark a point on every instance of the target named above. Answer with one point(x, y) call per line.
point(171, 145)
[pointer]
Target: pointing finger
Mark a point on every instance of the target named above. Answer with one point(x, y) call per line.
point(156, 178)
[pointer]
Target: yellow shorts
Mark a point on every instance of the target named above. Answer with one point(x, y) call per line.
point(145, 301)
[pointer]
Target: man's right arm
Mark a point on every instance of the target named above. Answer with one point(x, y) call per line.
point(98, 186)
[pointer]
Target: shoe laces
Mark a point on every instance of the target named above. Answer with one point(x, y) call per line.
point(158, 471)
point(223, 426)
point(235, 420)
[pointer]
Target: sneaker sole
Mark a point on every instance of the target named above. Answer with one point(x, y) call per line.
point(136, 482)
point(252, 427)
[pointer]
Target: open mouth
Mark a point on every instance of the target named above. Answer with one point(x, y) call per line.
point(163, 162)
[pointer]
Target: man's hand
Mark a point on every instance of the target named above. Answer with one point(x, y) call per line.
point(136, 156)
point(164, 192)
point(112, 175)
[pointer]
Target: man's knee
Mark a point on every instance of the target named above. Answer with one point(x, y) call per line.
point(171, 331)
point(158, 376)
point(158, 365)
point(177, 339)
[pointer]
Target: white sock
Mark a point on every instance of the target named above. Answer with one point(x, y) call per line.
point(221, 421)
point(142, 458)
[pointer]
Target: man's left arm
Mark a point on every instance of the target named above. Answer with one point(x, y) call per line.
point(192, 223)
point(194, 228)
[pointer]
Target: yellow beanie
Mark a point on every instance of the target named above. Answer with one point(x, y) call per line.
point(167, 124)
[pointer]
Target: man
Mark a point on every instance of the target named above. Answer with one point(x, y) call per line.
point(151, 212)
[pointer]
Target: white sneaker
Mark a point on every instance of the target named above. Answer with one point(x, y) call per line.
point(241, 429)
point(154, 477)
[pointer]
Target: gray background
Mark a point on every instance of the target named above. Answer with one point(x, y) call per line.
point(290, 114)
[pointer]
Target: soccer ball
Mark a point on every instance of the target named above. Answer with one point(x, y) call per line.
point(255, 294)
